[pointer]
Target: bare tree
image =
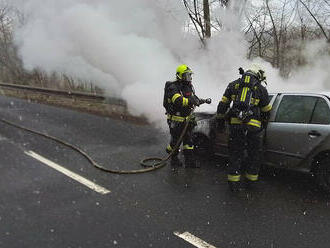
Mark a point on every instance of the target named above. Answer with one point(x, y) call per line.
point(10, 64)
point(275, 36)
point(316, 19)
point(202, 17)
point(194, 11)
point(278, 30)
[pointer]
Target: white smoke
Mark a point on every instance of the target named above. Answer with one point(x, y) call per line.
point(127, 49)
point(315, 75)
point(130, 48)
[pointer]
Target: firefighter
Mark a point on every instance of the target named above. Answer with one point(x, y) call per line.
point(179, 102)
point(247, 116)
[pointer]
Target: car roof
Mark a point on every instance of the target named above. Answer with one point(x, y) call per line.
point(325, 93)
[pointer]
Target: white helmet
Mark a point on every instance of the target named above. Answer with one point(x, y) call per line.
point(257, 71)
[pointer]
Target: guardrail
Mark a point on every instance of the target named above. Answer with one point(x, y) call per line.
point(93, 103)
point(111, 100)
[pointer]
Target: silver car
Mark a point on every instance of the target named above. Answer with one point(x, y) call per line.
point(297, 135)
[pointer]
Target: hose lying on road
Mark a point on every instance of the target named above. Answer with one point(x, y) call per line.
point(159, 164)
point(162, 161)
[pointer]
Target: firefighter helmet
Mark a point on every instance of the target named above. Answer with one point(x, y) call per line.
point(184, 73)
point(258, 71)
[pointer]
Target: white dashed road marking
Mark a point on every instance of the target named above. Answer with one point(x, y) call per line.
point(78, 178)
point(193, 240)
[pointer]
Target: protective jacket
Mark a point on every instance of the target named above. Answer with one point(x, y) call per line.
point(260, 106)
point(179, 98)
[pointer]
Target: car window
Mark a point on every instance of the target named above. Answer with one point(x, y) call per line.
point(296, 109)
point(321, 113)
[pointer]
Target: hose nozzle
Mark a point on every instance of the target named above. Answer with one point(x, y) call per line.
point(208, 100)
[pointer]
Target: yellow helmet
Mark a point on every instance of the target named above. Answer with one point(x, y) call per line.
point(184, 73)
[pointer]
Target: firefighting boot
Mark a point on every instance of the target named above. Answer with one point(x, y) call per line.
point(251, 181)
point(175, 162)
point(234, 186)
point(190, 162)
point(234, 183)
point(189, 159)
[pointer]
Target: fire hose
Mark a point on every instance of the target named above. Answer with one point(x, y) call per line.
point(162, 161)
point(159, 164)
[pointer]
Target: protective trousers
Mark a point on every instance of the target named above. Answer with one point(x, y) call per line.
point(244, 140)
point(176, 129)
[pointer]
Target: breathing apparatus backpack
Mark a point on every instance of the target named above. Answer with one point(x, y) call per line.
point(167, 100)
point(246, 92)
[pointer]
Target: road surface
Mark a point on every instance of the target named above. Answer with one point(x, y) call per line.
point(52, 197)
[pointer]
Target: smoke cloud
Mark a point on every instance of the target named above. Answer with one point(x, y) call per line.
point(315, 75)
point(132, 49)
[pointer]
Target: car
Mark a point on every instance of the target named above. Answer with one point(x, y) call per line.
point(297, 136)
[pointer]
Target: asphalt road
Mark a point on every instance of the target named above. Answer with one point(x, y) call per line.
point(42, 207)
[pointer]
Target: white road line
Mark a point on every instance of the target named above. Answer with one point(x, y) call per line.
point(193, 240)
point(80, 179)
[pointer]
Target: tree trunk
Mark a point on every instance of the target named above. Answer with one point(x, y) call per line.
point(275, 37)
point(207, 19)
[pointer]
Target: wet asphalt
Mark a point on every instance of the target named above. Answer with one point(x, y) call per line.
point(40, 207)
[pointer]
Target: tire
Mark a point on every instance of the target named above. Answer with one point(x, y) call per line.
point(323, 174)
point(202, 146)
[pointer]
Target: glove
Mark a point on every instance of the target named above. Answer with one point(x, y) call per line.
point(194, 101)
point(220, 124)
point(201, 101)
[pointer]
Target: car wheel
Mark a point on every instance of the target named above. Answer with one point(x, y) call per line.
point(323, 174)
point(202, 144)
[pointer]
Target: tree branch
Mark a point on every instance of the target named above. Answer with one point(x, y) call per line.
point(317, 22)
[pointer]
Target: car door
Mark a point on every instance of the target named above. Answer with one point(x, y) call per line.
point(298, 127)
point(221, 142)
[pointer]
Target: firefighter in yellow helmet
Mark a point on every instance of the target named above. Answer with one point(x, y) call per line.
point(179, 102)
point(248, 114)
